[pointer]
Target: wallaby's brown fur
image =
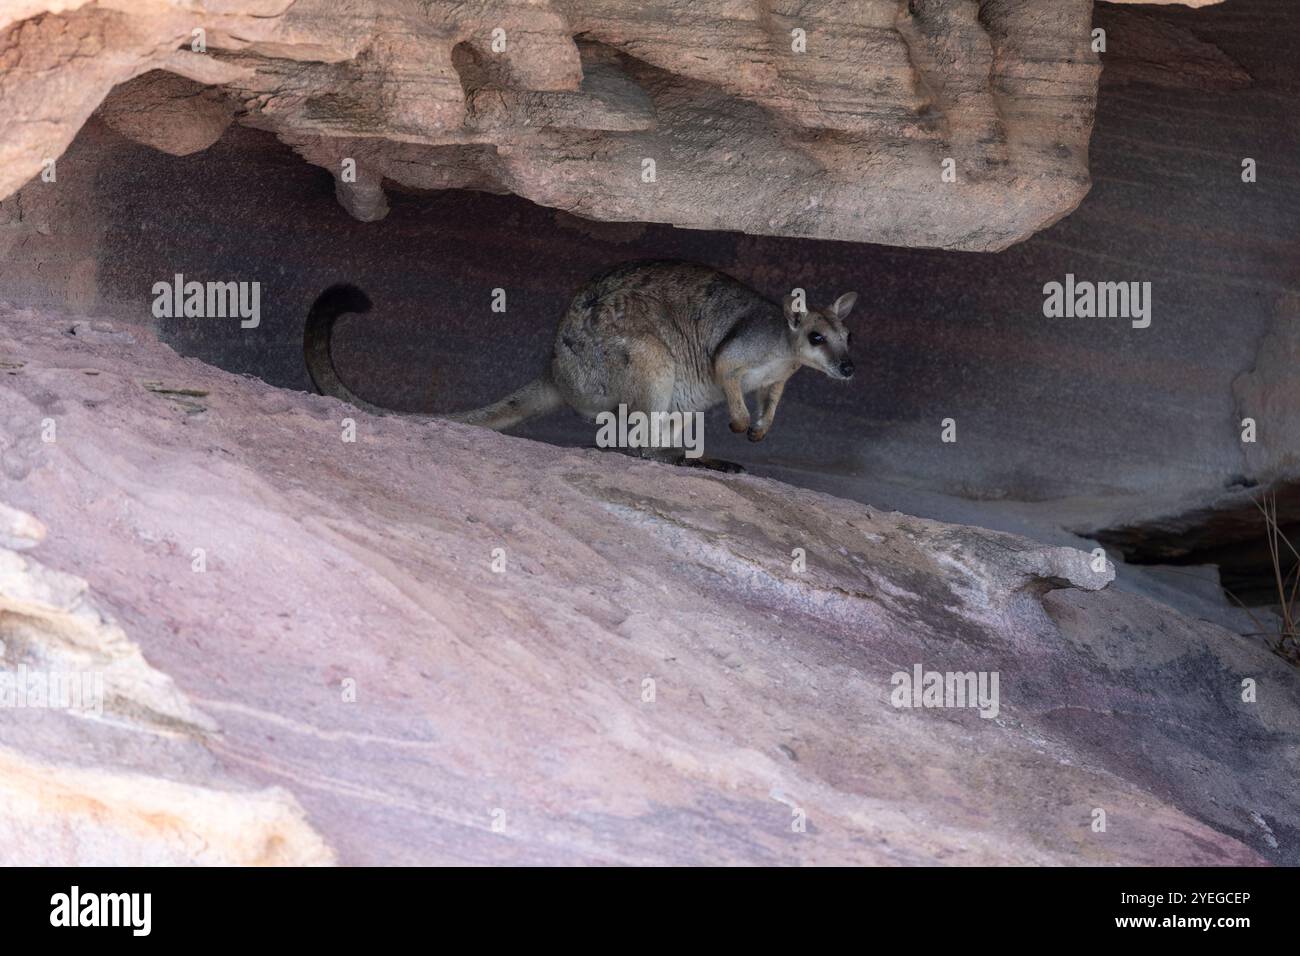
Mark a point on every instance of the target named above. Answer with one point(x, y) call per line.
point(653, 336)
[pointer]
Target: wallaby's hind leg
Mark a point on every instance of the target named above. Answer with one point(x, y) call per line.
point(648, 387)
point(657, 395)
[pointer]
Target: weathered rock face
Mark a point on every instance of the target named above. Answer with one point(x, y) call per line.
point(60, 651)
point(835, 120)
point(1227, 528)
point(337, 672)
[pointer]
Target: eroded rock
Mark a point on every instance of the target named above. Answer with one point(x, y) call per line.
point(669, 666)
point(76, 816)
point(936, 123)
point(94, 739)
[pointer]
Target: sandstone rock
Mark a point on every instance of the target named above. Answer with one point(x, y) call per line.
point(656, 675)
point(1226, 527)
point(836, 120)
point(19, 530)
point(1270, 393)
point(72, 816)
point(168, 112)
point(51, 627)
point(65, 802)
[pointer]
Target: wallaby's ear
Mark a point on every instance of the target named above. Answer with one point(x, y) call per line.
point(792, 317)
point(844, 304)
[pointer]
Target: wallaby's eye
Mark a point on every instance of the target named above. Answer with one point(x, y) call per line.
point(816, 338)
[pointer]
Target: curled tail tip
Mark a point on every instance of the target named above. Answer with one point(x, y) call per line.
point(335, 301)
point(341, 297)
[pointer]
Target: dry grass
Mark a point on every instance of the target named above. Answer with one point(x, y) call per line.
point(1284, 638)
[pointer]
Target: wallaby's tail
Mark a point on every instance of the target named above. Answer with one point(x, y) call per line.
point(335, 301)
point(536, 398)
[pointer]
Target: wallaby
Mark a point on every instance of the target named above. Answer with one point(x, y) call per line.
point(652, 336)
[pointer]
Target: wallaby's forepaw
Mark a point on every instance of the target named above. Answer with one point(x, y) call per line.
point(712, 464)
point(738, 426)
point(756, 433)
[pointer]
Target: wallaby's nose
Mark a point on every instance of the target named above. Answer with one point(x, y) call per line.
point(846, 368)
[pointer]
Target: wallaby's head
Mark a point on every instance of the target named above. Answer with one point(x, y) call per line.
point(819, 337)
